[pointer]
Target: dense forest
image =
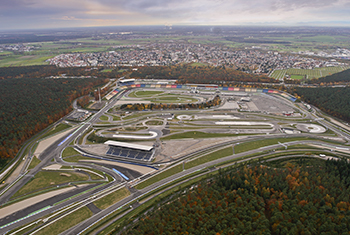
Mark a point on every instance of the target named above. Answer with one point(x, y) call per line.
point(199, 74)
point(28, 105)
point(334, 101)
point(42, 71)
point(258, 200)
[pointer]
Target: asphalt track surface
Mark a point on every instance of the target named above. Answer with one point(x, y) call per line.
point(48, 202)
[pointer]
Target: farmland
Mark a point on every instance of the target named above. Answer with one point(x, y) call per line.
point(307, 73)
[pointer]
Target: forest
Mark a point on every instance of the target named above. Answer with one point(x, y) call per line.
point(42, 71)
point(334, 101)
point(28, 105)
point(257, 200)
point(200, 74)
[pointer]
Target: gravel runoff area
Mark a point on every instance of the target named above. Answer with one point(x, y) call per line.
point(53, 167)
point(47, 142)
point(31, 201)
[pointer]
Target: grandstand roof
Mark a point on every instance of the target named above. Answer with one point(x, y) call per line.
point(127, 80)
point(128, 145)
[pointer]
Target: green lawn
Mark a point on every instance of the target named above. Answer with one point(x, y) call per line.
point(210, 157)
point(112, 198)
point(166, 173)
point(76, 158)
point(296, 76)
point(24, 60)
point(69, 151)
point(104, 118)
point(116, 118)
point(196, 135)
point(239, 148)
point(139, 93)
point(66, 222)
point(198, 64)
point(154, 123)
point(44, 179)
point(106, 70)
point(35, 161)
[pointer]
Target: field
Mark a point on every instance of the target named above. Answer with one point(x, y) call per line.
point(45, 179)
point(309, 73)
point(111, 198)
point(67, 221)
point(161, 97)
point(172, 98)
point(144, 94)
point(25, 60)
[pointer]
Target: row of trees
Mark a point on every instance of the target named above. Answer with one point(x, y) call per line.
point(28, 105)
point(152, 106)
point(258, 200)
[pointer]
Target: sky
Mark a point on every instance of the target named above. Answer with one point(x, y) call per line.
point(32, 14)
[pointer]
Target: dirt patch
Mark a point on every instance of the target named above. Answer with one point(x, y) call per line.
point(15, 173)
point(47, 142)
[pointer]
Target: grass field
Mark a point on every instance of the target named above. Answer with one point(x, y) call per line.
point(24, 60)
point(44, 179)
point(154, 122)
point(198, 64)
point(69, 151)
point(196, 135)
point(239, 148)
point(35, 161)
point(296, 76)
point(160, 176)
point(67, 222)
point(76, 158)
point(111, 198)
point(209, 157)
point(309, 73)
point(104, 118)
point(106, 70)
point(161, 97)
point(172, 98)
point(143, 94)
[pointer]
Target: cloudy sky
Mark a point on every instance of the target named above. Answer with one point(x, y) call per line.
point(30, 14)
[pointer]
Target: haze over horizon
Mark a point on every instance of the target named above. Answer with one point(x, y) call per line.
point(36, 14)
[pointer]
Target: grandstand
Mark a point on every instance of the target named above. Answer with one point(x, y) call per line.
point(130, 151)
point(126, 82)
